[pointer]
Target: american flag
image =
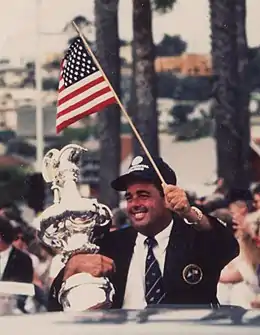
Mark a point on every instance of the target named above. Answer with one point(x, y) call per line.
point(83, 89)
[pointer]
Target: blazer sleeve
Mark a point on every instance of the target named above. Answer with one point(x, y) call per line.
point(222, 244)
point(225, 244)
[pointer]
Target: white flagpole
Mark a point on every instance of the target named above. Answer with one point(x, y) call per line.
point(38, 79)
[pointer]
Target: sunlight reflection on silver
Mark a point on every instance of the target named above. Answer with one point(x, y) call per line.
point(73, 223)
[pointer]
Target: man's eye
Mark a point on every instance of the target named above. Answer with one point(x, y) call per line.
point(144, 196)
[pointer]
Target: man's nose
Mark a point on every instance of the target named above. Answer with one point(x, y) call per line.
point(136, 202)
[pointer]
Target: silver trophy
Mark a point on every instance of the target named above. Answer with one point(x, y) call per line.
point(72, 224)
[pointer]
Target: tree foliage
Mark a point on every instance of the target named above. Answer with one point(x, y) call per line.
point(171, 46)
point(163, 6)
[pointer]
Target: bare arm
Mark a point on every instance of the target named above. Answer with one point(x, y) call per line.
point(230, 275)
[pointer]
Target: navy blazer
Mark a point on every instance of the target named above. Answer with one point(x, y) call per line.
point(19, 267)
point(194, 260)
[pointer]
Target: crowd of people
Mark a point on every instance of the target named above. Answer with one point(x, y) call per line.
point(24, 258)
point(239, 282)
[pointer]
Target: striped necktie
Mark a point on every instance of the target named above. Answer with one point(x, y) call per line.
point(154, 290)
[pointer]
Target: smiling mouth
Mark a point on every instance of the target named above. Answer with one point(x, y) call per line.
point(139, 216)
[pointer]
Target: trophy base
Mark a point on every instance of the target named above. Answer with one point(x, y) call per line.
point(83, 292)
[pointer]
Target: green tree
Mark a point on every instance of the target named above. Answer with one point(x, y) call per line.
point(171, 46)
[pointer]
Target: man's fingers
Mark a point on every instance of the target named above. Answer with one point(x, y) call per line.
point(107, 259)
point(169, 188)
point(108, 263)
point(94, 264)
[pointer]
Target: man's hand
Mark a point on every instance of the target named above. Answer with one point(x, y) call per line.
point(96, 265)
point(176, 200)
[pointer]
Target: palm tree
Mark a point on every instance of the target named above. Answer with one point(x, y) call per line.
point(229, 57)
point(144, 113)
point(107, 48)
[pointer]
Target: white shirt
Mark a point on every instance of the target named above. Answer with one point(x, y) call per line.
point(243, 293)
point(135, 286)
point(4, 256)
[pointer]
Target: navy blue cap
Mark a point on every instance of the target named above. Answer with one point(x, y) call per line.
point(141, 169)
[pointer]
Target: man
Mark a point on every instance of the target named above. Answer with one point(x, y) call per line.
point(15, 265)
point(171, 254)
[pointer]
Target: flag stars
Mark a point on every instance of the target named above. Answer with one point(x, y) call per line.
point(78, 64)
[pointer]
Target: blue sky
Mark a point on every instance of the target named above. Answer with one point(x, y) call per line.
point(18, 17)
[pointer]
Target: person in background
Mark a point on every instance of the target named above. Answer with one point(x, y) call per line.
point(15, 265)
point(241, 277)
point(21, 241)
point(256, 197)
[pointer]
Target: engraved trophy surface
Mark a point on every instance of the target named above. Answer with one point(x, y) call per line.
point(72, 224)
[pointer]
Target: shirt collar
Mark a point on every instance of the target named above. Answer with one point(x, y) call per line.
point(6, 252)
point(162, 238)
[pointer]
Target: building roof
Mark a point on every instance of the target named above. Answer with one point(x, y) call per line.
point(186, 64)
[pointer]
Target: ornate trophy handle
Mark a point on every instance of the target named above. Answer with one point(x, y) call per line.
point(105, 215)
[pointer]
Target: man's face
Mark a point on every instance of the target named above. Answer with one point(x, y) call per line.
point(146, 208)
point(238, 208)
point(257, 201)
point(19, 242)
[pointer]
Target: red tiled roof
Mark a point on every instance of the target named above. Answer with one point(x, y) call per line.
point(187, 64)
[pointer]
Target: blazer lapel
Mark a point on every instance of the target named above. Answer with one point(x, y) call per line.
point(122, 261)
point(179, 247)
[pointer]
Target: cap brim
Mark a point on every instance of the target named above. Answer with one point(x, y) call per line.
point(122, 182)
